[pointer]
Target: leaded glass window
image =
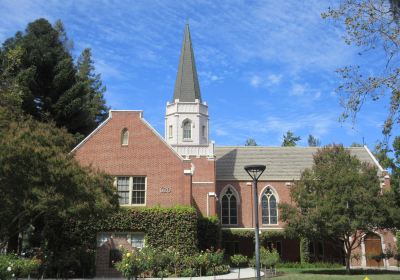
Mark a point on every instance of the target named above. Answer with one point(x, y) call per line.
point(229, 207)
point(269, 208)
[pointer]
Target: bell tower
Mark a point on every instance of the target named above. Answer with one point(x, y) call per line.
point(186, 118)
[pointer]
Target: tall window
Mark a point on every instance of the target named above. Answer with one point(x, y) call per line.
point(170, 131)
point(269, 208)
point(203, 131)
point(187, 130)
point(131, 190)
point(124, 137)
point(123, 190)
point(138, 190)
point(229, 207)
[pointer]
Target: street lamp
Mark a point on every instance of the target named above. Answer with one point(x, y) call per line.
point(255, 172)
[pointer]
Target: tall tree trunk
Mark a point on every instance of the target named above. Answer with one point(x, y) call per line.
point(348, 256)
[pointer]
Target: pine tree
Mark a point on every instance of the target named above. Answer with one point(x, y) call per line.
point(290, 140)
point(313, 141)
point(49, 85)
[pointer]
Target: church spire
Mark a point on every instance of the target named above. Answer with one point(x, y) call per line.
point(187, 87)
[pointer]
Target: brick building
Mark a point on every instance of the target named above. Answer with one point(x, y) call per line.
point(185, 168)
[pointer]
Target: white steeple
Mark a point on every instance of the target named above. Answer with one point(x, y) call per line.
point(186, 120)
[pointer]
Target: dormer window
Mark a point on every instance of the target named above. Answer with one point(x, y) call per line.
point(187, 129)
point(124, 137)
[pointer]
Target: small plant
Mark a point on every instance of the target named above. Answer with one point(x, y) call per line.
point(12, 266)
point(132, 264)
point(269, 259)
point(239, 261)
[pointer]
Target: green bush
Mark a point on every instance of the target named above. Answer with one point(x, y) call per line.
point(12, 266)
point(163, 263)
point(268, 258)
point(208, 232)
point(298, 265)
point(164, 227)
point(239, 260)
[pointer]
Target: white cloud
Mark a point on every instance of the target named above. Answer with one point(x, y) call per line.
point(255, 81)
point(298, 89)
point(274, 79)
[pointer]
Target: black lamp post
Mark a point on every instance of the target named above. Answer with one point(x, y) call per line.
point(255, 172)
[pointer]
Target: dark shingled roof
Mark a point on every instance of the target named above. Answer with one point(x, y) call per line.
point(283, 163)
point(187, 87)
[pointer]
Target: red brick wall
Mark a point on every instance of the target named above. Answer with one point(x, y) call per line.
point(245, 209)
point(146, 155)
point(203, 183)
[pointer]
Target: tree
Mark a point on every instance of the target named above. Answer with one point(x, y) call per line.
point(94, 87)
point(250, 142)
point(313, 141)
point(37, 64)
point(43, 188)
point(290, 140)
point(330, 200)
point(373, 26)
point(390, 160)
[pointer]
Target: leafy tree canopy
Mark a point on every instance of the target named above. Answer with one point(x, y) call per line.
point(374, 27)
point(290, 140)
point(37, 67)
point(313, 141)
point(251, 142)
point(336, 199)
point(42, 187)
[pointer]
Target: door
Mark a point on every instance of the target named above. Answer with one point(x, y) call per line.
point(373, 249)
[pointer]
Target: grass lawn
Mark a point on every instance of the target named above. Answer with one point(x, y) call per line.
point(324, 274)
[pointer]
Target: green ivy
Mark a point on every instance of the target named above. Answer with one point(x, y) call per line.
point(208, 232)
point(164, 227)
point(304, 252)
point(237, 233)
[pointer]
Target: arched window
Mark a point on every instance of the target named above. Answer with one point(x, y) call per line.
point(269, 207)
point(229, 208)
point(187, 129)
point(124, 137)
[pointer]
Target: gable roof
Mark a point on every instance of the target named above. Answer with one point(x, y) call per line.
point(283, 163)
point(187, 87)
point(141, 118)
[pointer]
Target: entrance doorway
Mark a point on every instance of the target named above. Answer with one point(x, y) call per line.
point(373, 250)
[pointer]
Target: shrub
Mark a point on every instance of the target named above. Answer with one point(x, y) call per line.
point(12, 266)
point(132, 264)
point(298, 265)
point(208, 232)
point(239, 260)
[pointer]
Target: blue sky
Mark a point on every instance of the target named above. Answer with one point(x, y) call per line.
point(264, 67)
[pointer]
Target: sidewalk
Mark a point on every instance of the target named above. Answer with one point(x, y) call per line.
point(244, 273)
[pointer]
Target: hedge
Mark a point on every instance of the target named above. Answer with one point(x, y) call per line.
point(265, 235)
point(209, 232)
point(164, 227)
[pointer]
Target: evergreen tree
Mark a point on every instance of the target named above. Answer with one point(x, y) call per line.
point(313, 141)
point(290, 140)
point(94, 86)
point(250, 142)
point(47, 79)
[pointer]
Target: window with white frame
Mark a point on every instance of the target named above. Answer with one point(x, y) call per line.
point(136, 239)
point(131, 190)
point(229, 208)
point(269, 207)
point(187, 129)
point(124, 137)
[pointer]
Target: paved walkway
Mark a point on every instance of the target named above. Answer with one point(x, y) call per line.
point(244, 273)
